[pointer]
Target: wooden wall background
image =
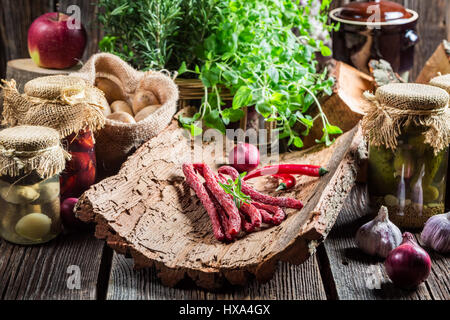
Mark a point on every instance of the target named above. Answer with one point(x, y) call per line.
point(17, 15)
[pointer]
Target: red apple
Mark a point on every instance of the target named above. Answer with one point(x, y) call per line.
point(54, 43)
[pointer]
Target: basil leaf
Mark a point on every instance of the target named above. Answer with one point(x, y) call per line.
point(232, 114)
point(242, 97)
point(333, 129)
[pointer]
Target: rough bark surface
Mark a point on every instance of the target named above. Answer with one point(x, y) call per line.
point(148, 211)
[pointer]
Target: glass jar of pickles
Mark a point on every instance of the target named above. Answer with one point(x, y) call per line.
point(408, 130)
point(31, 159)
point(443, 82)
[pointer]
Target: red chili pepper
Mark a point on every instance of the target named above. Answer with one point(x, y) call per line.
point(304, 169)
point(288, 181)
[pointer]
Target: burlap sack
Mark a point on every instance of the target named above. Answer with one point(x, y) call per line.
point(116, 140)
point(397, 105)
point(66, 104)
point(24, 149)
point(441, 82)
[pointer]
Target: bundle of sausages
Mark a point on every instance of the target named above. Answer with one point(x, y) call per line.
point(226, 218)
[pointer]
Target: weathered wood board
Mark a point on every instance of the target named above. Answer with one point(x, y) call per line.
point(358, 276)
point(148, 211)
point(289, 282)
point(66, 268)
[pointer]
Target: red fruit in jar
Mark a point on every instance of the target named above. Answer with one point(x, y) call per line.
point(85, 140)
point(68, 183)
point(80, 162)
point(82, 141)
point(68, 214)
point(86, 178)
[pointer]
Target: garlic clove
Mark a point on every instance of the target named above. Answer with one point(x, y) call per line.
point(436, 233)
point(379, 236)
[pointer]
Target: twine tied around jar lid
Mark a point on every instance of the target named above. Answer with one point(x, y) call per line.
point(24, 149)
point(398, 105)
point(65, 103)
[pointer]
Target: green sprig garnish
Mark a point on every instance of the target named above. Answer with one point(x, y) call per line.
point(233, 188)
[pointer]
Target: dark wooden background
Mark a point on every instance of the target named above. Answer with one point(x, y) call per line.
point(17, 15)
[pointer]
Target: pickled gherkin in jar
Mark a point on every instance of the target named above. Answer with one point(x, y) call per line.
point(410, 181)
point(408, 130)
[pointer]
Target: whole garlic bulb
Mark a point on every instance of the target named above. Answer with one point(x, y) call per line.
point(436, 233)
point(379, 236)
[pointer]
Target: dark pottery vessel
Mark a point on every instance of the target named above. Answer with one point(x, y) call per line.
point(375, 30)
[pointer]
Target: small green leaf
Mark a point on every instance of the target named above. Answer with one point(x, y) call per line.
point(195, 131)
point(298, 142)
point(232, 114)
point(325, 51)
point(307, 122)
point(119, 10)
point(182, 68)
point(242, 97)
point(333, 129)
point(263, 109)
point(213, 120)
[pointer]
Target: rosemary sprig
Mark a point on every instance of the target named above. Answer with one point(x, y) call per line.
point(156, 34)
point(233, 188)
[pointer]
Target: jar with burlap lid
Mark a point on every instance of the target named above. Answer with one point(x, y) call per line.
point(443, 81)
point(407, 126)
point(69, 105)
point(31, 158)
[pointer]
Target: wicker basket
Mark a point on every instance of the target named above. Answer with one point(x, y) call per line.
point(191, 91)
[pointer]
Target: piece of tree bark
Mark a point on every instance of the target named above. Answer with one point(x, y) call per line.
point(382, 73)
point(439, 62)
point(148, 211)
point(345, 107)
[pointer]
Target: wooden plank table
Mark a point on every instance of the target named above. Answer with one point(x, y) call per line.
point(337, 271)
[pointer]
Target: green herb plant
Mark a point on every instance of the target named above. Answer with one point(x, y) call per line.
point(233, 188)
point(156, 34)
point(253, 51)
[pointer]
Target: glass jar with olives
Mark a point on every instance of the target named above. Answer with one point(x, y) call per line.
point(408, 129)
point(31, 159)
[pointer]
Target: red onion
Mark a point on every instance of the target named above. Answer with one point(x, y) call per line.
point(244, 157)
point(68, 214)
point(408, 265)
